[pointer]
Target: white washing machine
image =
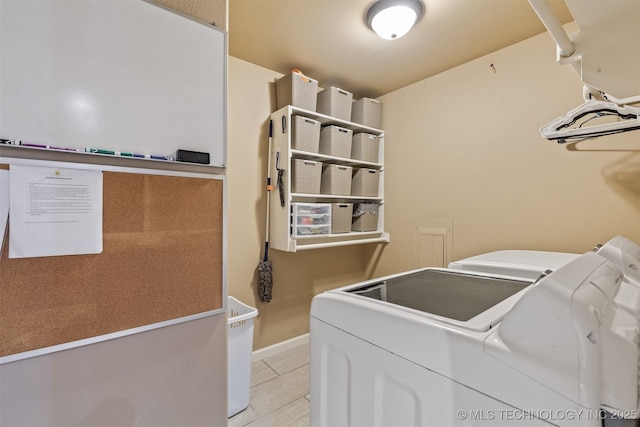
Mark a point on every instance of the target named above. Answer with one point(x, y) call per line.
point(530, 264)
point(518, 263)
point(623, 252)
point(437, 347)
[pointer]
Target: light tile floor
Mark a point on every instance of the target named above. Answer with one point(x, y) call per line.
point(279, 394)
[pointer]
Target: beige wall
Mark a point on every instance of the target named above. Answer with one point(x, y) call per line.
point(465, 145)
point(297, 277)
point(462, 146)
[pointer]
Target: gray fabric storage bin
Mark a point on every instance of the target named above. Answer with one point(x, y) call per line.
point(365, 217)
point(336, 141)
point(368, 112)
point(297, 90)
point(341, 214)
point(365, 147)
point(305, 134)
point(305, 176)
point(336, 179)
point(365, 182)
point(335, 102)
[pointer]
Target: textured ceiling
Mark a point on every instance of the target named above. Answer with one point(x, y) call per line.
point(209, 11)
point(329, 41)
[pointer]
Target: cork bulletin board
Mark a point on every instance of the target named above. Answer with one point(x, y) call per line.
point(162, 260)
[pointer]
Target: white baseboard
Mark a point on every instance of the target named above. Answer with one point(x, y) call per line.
point(279, 347)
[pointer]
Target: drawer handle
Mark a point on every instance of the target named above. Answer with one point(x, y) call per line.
point(307, 162)
point(342, 92)
point(343, 130)
point(371, 171)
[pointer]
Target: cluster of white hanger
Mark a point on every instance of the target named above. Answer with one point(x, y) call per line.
point(572, 127)
point(609, 35)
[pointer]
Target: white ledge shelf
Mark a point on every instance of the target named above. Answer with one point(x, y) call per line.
point(307, 155)
point(331, 197)
point(328, 120)
point(336, 240)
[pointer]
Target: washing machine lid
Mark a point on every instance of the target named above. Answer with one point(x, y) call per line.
point(444, 293)
point(517, 263)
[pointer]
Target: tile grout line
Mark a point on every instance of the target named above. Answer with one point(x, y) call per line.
point(277, 362)
point(292, 369)
point(276, 409)
point(272, 370)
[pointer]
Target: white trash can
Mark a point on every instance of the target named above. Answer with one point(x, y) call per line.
point(239, 348)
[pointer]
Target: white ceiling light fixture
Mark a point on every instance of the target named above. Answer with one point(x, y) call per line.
point(392, 19)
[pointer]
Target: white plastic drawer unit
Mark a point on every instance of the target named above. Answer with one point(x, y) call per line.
point(310, 219)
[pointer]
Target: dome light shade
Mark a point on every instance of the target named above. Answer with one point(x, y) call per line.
point(392, 19)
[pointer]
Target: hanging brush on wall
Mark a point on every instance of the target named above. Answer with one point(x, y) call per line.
point(265, 270)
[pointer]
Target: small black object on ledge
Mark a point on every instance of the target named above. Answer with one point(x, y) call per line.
point(192, 157)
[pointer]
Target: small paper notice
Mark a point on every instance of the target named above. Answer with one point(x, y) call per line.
point(4, 204)
point(54, 211)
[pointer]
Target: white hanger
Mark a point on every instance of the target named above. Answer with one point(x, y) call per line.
point(560, 130)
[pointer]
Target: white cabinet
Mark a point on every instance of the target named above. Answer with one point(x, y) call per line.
point(286, 233)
